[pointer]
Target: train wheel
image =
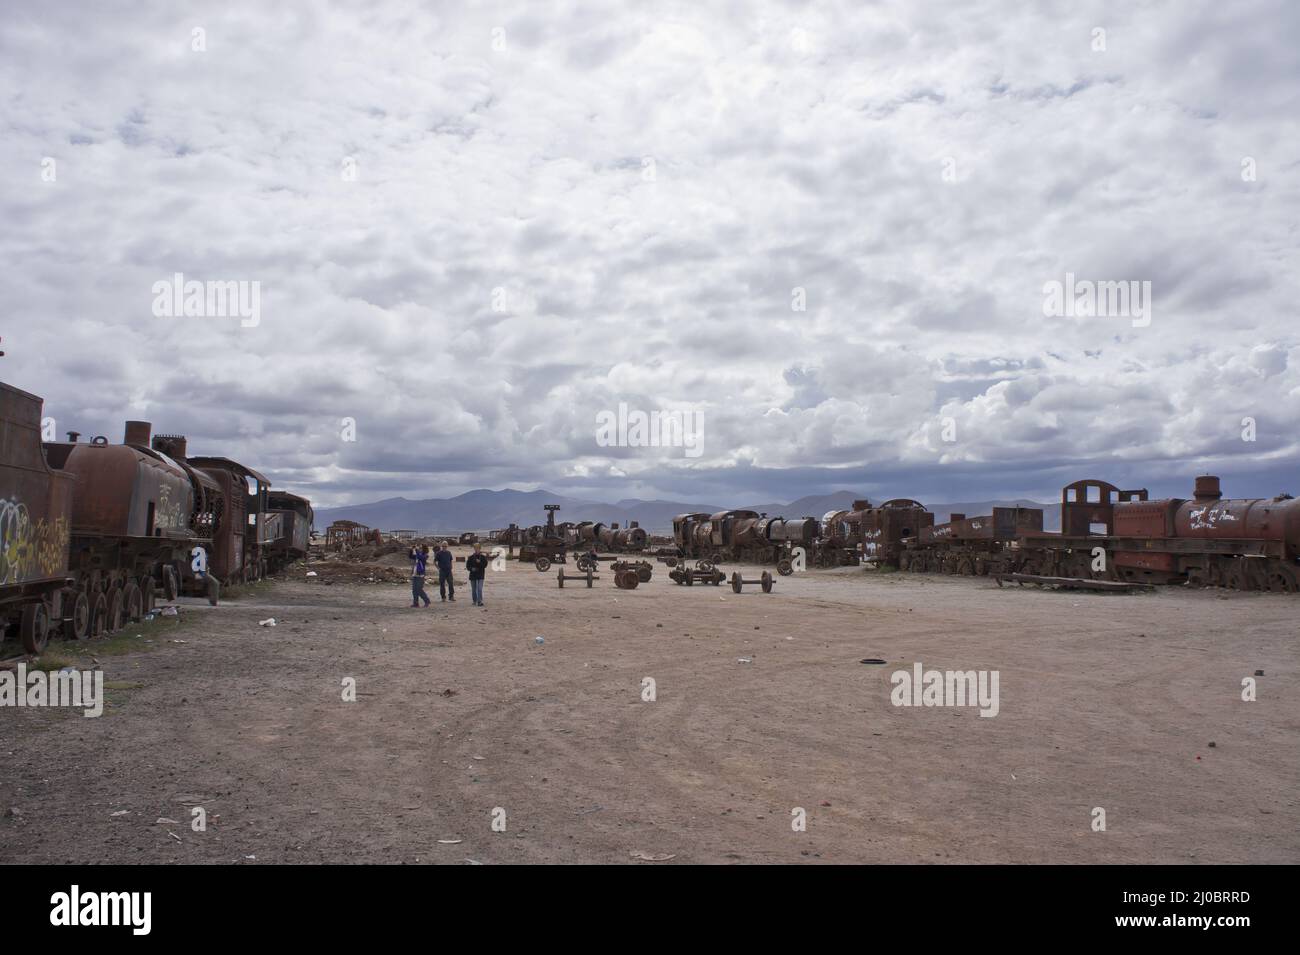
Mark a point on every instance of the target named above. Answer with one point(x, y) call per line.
point(132, 603)
point(99, 616)
point(1282, 580)
point(77, 626)
point(584, 565)
point(643, 574)
point(113, 622)
point(784, 568)
point(715, 559)
point(981, 567)
point(35, 630)
point(542, 564)
point(966, 567)
point(670, 561)
point(1240, 576)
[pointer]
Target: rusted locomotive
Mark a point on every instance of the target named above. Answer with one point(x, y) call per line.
point(1113, 534)
point(137, 515)
point(742, 535)
point(882, 529)
point(1249, 544)
point(93, 531)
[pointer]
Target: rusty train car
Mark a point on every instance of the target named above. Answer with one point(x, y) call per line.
point(742, 535)
point(1205, 540)
point(1012, 539)
point(294, 515)
point(35, 525)
point(1114, 534)
point(93, 531)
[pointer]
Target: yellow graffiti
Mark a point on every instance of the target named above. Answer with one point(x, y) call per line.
point(30, 550)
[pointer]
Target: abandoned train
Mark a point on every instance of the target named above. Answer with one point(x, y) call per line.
point(1106, 533)
point(92, 532)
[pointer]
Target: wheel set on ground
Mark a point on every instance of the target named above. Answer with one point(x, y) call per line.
point(589, 576)
point(738, 583)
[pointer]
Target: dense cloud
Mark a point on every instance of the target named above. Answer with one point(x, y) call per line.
point(560, 208)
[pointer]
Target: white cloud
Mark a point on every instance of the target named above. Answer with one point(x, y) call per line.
point(780, 160)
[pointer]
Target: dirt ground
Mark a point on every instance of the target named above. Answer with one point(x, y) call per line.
point(1127, 703)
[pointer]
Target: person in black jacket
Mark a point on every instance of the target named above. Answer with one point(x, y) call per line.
point(476, 563)
point(446, 585)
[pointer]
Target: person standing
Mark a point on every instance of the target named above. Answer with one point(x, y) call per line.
point(446, 585)
point(419, 566)
point(476, 563)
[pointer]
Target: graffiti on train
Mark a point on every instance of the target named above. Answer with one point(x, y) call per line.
point(27, 549)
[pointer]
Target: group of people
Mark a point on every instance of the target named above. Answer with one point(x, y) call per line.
point(476, 563)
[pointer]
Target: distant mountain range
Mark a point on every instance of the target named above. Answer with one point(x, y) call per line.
point(487, 510)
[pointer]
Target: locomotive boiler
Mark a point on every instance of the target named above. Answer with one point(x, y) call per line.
point(1242, 544)
point(134, 525)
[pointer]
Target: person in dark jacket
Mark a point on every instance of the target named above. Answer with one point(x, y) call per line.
point(444, 560)
point(476, 563)
point(419, 566)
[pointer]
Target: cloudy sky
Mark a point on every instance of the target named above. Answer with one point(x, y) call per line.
point(476, 227)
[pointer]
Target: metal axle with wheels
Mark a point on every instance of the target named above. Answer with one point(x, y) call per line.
point(561, 577)
point(689, 577)
point(738, 582)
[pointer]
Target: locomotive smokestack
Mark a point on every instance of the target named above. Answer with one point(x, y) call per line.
point(172, 445)
point(73, 436)
point(1207, 488)
point(137, 433)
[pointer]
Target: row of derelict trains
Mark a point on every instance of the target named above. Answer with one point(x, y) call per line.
point(91, 533)
point(1106, 533)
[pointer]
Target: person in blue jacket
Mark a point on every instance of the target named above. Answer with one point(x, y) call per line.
point(419, 566)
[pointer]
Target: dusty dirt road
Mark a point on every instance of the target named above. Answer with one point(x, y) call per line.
point(1128, 703)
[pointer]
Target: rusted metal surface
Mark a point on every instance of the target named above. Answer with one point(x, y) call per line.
point(1004, 524)
point(1088, 506)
